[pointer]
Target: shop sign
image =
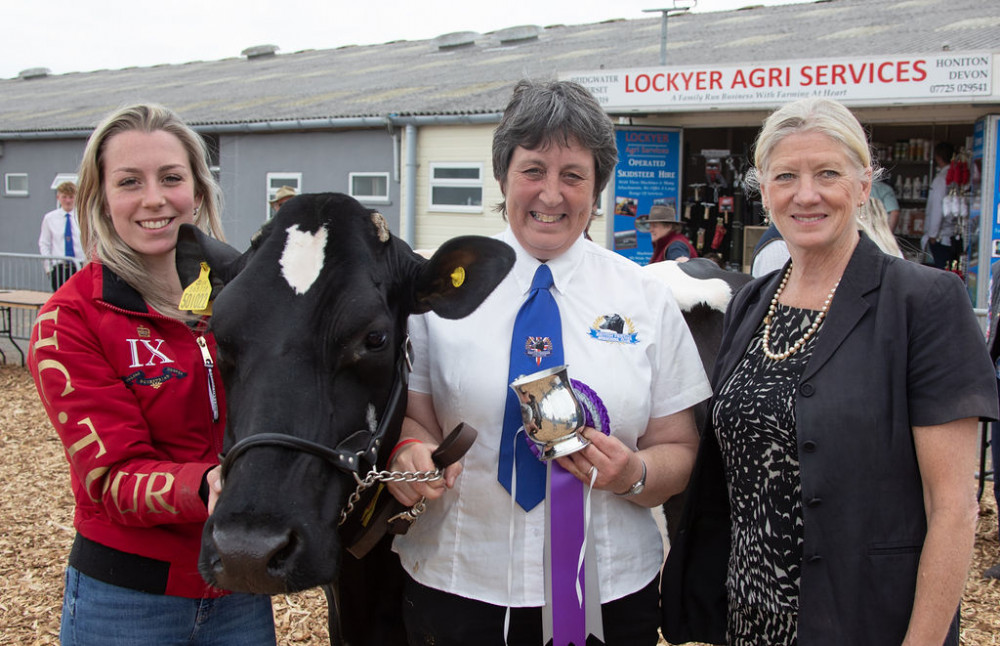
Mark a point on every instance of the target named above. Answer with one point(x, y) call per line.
point(648, 173)
point(880, 79)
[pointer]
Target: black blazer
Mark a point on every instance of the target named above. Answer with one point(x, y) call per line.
point(900, 347)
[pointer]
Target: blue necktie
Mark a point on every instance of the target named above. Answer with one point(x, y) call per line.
point(536, 344)
point(69, 237)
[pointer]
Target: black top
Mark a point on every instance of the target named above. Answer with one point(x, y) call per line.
point(754, 420)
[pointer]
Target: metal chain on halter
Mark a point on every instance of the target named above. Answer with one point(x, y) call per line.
point(389, 476)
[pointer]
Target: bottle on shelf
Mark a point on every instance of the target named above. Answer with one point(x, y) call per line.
point(898, 188)
point(907, 189)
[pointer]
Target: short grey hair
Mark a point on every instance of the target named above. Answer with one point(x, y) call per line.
point(543, 112)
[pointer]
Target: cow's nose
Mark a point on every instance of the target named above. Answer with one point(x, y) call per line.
point(252, 560)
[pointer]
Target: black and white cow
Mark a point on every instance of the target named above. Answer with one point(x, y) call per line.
point(311, 330)
point(310, 323)
point(702, 289)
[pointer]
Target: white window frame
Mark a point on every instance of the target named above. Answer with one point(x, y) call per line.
point(275, 181)
point(15, 192)
point(63, 177)
point(371, 199)
point(455, 183)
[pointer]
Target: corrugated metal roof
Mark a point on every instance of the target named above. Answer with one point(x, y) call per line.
point(421, 78)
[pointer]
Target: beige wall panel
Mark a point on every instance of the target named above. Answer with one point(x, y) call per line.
point(462, 144)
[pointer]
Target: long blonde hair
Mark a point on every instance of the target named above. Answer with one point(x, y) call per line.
point(97, 232)
point(873, 219)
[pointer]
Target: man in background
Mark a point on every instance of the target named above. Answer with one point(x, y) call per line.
point(938, 229)
point(284, 194)
point(60, 237)
point(882, 191)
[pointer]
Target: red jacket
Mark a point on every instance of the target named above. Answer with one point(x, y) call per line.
point(141, 418)
point(661, 247)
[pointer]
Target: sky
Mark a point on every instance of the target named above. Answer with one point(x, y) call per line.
point(86, 35)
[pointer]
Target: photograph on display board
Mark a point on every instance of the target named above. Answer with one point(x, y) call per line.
point(626, 206)
point(626, 240)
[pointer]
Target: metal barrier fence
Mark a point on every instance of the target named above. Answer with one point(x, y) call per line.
point(22, 271)
point(27, 271)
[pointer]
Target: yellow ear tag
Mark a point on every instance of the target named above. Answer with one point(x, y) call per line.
point(196, 295)
point(458, 277)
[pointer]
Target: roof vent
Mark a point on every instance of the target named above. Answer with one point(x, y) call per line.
point(34, 73)
point(519, 34)
point(456, 39)
point(259, 51)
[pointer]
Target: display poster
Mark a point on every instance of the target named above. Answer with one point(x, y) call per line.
point(985, 185)
point(648, 173)
point(974, 229)
point(994, 193)
point(892, 79)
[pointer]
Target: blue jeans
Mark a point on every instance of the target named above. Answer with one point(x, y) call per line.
point(95, 613)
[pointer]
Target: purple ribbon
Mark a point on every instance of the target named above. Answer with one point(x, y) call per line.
point(566, 533)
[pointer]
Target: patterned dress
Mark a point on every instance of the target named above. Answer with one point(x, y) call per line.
point(754, 419)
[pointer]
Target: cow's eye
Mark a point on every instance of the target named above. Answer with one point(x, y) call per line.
point(376, 340)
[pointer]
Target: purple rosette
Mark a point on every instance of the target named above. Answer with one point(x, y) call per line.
point(594, 412)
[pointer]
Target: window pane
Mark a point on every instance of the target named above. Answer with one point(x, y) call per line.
point(456, 173)
point(370, 185)
point(17, 183)
point(456, 196)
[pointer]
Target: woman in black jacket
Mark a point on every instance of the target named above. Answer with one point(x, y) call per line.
point(833, 501)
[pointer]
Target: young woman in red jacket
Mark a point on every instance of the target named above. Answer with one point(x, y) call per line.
point(129, 383)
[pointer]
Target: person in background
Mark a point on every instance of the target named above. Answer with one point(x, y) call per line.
point(769, 254)
point(476, 554)
point(832, 501)
point(938, 228)
point(667, 232)
point(884, 193)
point(284, 194)
point(60, 236)
point(128, 382)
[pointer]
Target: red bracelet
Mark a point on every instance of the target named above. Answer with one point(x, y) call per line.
point(400, 445)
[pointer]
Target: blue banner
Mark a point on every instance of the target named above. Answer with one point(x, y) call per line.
point(648, 173)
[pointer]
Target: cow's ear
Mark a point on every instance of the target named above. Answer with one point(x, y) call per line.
point(194, 247)
point(460, 275)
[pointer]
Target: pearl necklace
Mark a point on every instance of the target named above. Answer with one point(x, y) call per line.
point(778, 356)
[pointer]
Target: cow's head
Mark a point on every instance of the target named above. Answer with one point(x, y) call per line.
point(311, 326)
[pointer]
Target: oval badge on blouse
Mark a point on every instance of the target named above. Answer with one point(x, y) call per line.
point(614, 328)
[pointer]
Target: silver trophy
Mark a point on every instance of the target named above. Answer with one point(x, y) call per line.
point(551, 412)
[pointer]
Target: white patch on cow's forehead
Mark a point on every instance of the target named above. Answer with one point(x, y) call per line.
point(303, 257)
point(689, 291)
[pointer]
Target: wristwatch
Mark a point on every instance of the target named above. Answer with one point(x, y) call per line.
point(640, 484)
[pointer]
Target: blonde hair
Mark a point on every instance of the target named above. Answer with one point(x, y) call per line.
point(825, 116)
point(97, 232)
point(873, 219)
point(832, 119)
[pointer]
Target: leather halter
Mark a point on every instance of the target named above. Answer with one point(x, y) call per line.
point(351, 453)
